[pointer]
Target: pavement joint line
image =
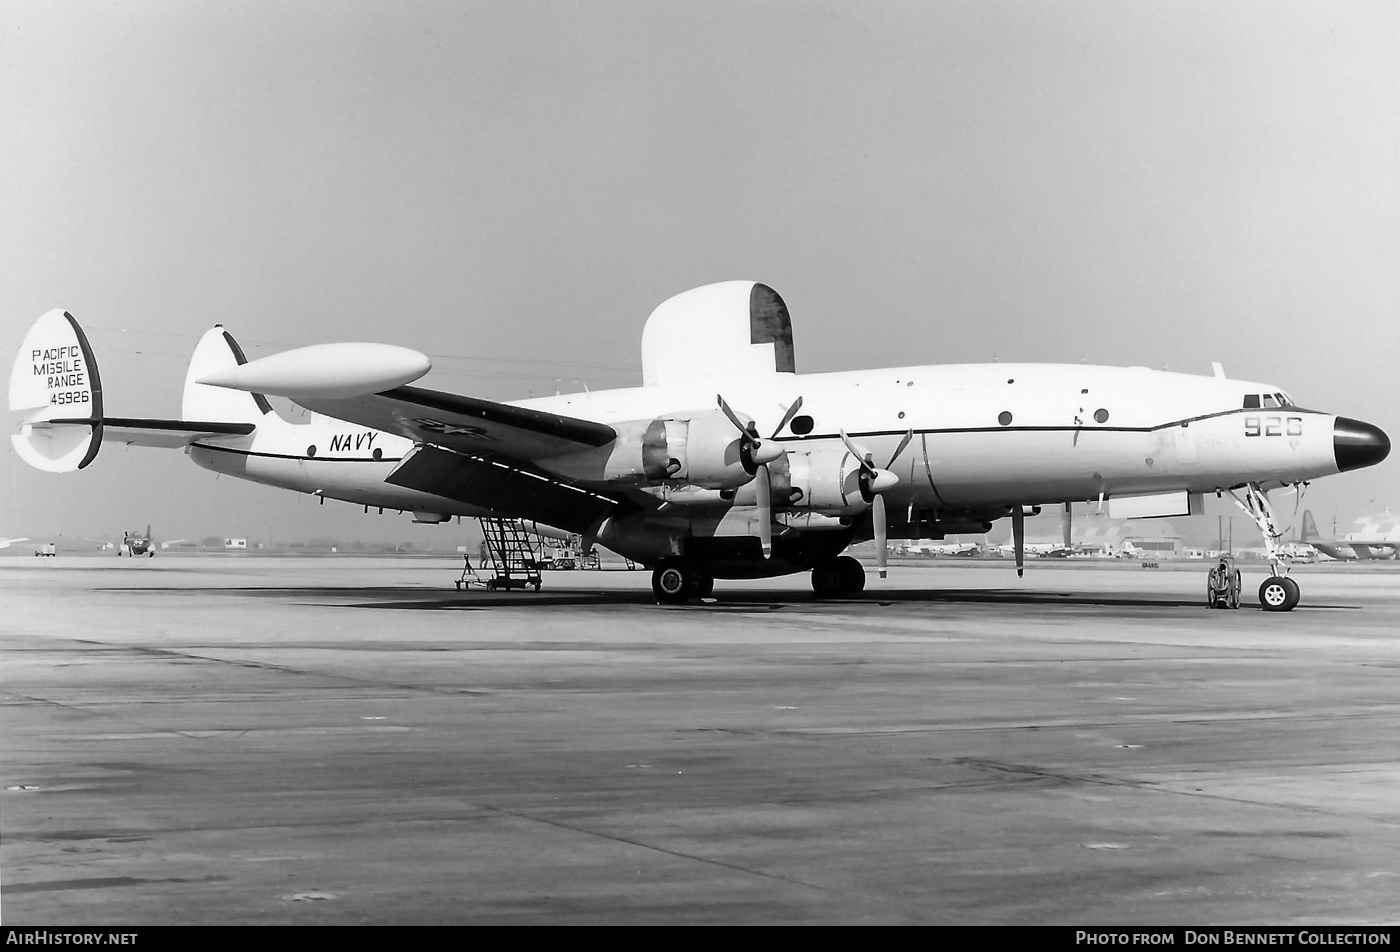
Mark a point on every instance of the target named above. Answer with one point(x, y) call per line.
point(735, 867)
point(284, 669)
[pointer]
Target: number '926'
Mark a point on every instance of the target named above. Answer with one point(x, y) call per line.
point(1273, 426)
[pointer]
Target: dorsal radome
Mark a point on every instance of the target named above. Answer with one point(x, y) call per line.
point(726, 330)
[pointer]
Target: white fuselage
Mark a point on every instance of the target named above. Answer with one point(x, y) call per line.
point(984, 435)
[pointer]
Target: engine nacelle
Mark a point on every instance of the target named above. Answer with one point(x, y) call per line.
point(826, 480)
point(699, 448)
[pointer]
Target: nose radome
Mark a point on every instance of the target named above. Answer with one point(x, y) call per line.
point(1358, 444)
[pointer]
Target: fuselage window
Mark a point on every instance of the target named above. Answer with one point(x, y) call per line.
point(1251, 401)
point(802, 425)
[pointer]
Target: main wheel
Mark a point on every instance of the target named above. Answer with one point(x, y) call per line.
point(852, 575)
point(1233, 599)
point(826, 580)
point(704, 586)
point(1276, 595)
point(672, 584)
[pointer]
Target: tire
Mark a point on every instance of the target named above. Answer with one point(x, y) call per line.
point(1295, 593)
point(1275, 595)
point(672, 584)
point(704, 587)
point(826, 580)
point(851, 574)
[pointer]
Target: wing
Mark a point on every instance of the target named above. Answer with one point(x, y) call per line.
point(467, 424)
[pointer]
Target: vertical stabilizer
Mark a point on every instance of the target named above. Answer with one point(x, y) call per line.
point(1310, 532)
point(55, 377)
point(217, 350)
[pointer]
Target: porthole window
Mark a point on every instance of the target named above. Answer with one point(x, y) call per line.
point(311, 450)
point(802, 425)
point(1101, 415)
point(1004, 418)
point(901, 414)
point(378, 453)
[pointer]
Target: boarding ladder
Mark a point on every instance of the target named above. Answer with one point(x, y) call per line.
point(508, 555)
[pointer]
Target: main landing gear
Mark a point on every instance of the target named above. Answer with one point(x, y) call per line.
point(675, 583)
point(1278, 593)
point(841, 577)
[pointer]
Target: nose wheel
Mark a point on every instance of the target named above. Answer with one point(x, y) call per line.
point(1279, 594)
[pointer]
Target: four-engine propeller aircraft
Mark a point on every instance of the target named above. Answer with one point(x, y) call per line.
point(725, 463)
point(1374, 537)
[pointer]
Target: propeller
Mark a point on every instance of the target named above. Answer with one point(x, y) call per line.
point(873, 483)
point(753, 453)
point(754, 456)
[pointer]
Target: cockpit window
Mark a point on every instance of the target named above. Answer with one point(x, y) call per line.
point(1270, 400)
point(1251, 401)
point(1283, 400)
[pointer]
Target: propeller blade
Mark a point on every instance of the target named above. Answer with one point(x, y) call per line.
point(787, 417)
point(751, 449)
point(908, 436)
point(733, 417)
point(859, 452)
point(1018, 538)
point(764, 489)
point(1068, 516)
point(882, 542)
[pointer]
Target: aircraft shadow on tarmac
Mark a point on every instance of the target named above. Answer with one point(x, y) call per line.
point(739, 600)
point(748, 601)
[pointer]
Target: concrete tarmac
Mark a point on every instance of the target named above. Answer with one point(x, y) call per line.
point(242, 740)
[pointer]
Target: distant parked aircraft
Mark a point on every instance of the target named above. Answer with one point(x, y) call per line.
point(5, 543)
point(1373, 537)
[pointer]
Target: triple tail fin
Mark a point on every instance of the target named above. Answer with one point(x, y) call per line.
point(217, 350)
point(55, 383)
point(55, 377)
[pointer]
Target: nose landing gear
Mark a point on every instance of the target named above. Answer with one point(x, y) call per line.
point(1278, 593)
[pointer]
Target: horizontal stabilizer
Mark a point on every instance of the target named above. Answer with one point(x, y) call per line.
point(325, 371)
point(168, 433)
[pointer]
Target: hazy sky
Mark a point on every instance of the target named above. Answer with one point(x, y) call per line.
point(512, 186)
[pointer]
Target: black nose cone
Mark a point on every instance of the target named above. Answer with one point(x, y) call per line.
point(1358, 444)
